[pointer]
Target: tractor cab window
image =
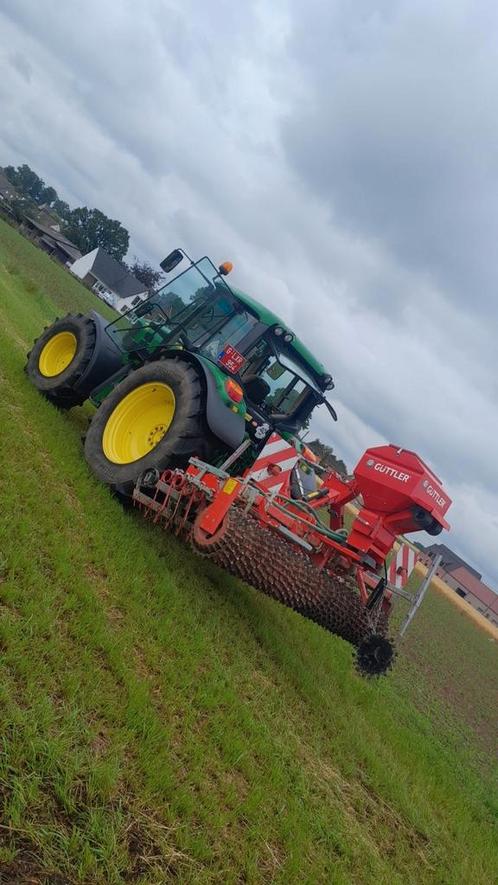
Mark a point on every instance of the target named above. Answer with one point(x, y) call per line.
point(197, 309)
point(286, 385)
point(177, 300)
point(232, 332)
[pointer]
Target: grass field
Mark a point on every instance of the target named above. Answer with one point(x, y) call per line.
point(161, 721)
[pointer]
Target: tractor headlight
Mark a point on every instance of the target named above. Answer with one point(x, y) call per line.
point(283, 333)
point(328, 382)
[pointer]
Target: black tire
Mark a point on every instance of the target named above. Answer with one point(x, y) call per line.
point(427, 522)
point(187, 435)
point(435, 528)
point(59, 389)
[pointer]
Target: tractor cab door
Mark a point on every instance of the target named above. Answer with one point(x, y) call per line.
point(274, 391)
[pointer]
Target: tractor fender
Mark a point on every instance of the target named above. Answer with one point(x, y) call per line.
point(226, 425)
point(105, 360)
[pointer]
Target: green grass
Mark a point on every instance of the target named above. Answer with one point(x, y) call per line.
point(162, 721)
point(450, 667)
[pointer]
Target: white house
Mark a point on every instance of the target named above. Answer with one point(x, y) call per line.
point(109, 280)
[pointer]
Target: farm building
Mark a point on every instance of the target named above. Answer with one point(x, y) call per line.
point(475, 592)
point(465, 580)
point(449, 559)
point(51, 240)
point(109, 280)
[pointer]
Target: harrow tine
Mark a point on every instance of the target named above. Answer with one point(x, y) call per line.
point(193, 496)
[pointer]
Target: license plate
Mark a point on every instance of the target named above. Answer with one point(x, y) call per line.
point(231, 359)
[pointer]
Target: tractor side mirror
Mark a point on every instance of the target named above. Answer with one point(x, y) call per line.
point(171, 261)
point(331, 409)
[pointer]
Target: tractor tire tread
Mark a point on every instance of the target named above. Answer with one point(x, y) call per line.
point(187, 435)
point(59, 389)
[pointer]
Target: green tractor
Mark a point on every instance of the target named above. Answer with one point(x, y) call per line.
point(198, 369)
point(201, 393)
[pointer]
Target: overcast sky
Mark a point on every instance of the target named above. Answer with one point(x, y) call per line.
point(343, 156)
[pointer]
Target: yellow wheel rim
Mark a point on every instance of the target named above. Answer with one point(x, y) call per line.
point(138, 423)
point(57, 353)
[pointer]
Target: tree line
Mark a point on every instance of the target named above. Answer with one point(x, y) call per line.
point(327, 456)
point(86, 228)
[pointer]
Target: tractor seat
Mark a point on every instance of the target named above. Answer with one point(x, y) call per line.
point(256, 389)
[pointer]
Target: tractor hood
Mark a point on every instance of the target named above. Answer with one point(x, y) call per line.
point(269, 318)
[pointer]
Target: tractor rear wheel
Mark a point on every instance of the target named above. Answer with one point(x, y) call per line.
point(153, 419)
point(59, 358)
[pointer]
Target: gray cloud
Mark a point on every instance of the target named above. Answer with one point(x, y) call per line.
point(395, 126)
point(345, 164)
point(21, 64)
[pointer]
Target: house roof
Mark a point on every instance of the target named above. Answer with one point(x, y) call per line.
point(51, 232)
point(478, 588)
point(65, 246)
point(49, 218)
point(113, 275)
point(450, 560)
point(55, 237)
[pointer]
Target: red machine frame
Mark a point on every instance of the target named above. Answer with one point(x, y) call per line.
point(398, 493)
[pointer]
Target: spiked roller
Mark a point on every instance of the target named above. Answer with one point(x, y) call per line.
point(253, 528)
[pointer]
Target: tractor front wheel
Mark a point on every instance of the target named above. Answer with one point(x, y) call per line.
point(153, 419)
point(59, 358)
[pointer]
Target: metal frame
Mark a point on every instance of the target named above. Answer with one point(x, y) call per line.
point(417, 599)
point(200, 498)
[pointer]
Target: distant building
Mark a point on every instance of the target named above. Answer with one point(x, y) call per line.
point(51, 240)
point(465, 580)
point(449, 560)
point(48, 217)
point(475, 592)
point(109, 280)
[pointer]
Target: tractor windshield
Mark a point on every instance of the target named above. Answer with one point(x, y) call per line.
point(196, 309)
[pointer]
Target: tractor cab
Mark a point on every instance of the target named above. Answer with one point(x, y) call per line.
point(276, 382)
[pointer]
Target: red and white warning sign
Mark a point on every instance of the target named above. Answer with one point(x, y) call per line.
point(273, 467)
point(401, 566)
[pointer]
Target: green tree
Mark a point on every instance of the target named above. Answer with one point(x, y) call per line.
point(62, 209)
point(327, 456)
point(144, 272)
point(28, 183)
point(87, 228)
point(11, 174)
point(90, 228)
point(19, 206)
point(48, 195)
